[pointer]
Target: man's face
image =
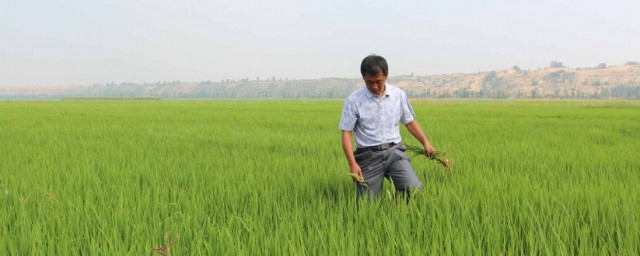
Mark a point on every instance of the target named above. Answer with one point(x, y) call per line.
point(376, 83)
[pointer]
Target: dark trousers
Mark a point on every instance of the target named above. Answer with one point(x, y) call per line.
point(392, 163)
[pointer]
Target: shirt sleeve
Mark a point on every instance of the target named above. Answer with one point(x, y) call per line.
point(407, 114)
point(349, 116)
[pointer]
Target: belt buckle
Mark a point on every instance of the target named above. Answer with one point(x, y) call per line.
point(384, 146)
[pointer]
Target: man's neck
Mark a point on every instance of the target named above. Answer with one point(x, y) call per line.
point(383, 92)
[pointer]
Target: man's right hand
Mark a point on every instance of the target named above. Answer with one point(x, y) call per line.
point(355, 169)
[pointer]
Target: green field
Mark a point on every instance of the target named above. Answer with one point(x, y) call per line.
point(269, 177)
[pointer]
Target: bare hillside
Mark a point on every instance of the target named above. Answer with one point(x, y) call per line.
point(612, 82)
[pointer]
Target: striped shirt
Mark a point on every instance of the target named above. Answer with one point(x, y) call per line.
point(373, 119)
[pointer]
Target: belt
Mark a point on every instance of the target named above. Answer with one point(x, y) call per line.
point(377, 147)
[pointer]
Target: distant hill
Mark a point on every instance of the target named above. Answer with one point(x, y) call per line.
point(620, 82)
point(614, 82)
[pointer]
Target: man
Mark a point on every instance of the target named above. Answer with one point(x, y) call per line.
point(372, 114)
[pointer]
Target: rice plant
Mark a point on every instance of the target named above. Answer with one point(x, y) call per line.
point(438, 156)
point(268, 177)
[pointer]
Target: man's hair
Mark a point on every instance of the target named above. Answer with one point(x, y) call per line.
point(373, 64)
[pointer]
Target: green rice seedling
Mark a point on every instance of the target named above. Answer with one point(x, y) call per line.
point(438, 156)
point(441, 157)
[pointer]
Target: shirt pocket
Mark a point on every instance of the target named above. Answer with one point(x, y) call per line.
point(369, 120)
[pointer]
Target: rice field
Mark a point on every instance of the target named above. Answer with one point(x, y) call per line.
point(270, 178)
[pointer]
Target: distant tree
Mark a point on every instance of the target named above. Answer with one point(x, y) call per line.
point(629, 63)
point(596, 83)
point(534, 93)
point(556, 64)
point(516, 68)
point(490, 76)
point(559, 76)
point(601, 66)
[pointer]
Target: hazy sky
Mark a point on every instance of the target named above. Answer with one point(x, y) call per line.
point(44, 42)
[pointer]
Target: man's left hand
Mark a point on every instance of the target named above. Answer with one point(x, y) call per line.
point(428, 150)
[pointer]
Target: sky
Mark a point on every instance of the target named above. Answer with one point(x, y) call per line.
point(74, 42)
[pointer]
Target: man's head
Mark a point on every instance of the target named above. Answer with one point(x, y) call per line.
point(374, 71)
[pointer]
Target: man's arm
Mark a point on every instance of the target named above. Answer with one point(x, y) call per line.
point(415, 130)
point(347, 147)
